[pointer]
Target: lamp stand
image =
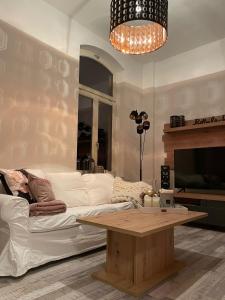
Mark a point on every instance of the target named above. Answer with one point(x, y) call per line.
point(142, 126)
point(140, 157)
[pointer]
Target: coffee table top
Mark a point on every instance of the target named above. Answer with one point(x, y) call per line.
point(138, 223)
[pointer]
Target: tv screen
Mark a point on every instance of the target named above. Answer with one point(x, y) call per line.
point(200, 168)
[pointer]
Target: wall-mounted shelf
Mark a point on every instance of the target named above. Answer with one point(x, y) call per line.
point(193, 136)
point(197, 136)
point(190, 126)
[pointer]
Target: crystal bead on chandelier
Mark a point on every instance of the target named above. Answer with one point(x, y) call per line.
point(138, 26)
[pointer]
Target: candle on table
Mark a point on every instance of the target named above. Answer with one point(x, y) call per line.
point(156, 201)
point(147, 201)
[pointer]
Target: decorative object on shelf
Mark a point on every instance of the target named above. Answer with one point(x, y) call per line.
point(143, 125)
point(99, 169)
point(138, 26)
point(177, 121)
point(88, 164)
point(209, 120)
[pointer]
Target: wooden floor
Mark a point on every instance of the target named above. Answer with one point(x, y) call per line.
point(203, 279)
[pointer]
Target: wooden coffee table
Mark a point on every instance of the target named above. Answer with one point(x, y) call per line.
point(140, 247)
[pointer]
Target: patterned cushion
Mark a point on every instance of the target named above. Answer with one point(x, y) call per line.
point(128, 191)
point(15, 183)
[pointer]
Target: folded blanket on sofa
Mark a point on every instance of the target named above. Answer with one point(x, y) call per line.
point(47, 208)
point(129, 191)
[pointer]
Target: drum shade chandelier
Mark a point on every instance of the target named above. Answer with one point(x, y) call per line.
point(138, 26)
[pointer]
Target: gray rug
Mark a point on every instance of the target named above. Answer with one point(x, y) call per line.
point(203, 251)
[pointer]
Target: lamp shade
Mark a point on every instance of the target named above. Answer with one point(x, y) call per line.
point(133, 114)
point(146, 125)
point(144, 115)
point(138, 120)
point(138, 26)
point(140, 129)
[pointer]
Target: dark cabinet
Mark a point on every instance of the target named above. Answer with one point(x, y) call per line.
point(215, 210)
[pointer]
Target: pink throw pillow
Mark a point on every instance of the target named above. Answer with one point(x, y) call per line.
point(40, 189)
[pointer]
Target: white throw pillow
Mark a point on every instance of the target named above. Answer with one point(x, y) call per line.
point(70, 188)
point(99, 187)
point(128, 191)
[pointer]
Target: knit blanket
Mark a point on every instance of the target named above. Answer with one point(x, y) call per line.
point(125, 191)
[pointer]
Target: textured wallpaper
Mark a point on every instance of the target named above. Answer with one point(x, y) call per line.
point(38, 100)
point(126, 148)
point(195, 98)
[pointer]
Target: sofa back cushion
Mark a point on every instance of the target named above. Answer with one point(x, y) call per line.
point(99, 188)
point(37, 172)
point(69, 187)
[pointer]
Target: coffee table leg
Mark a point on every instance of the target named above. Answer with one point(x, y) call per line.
point(135, 264)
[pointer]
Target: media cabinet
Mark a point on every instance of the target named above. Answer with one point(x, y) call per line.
point(197, 136)
point(214, 205)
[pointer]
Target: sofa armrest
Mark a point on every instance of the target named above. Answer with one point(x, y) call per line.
point(14, 209)
point(14, 235)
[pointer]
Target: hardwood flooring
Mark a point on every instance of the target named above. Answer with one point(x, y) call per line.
point(203, 278)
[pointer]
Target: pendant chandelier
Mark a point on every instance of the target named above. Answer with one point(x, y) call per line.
point(138, 26)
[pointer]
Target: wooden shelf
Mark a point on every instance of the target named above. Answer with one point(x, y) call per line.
point(193, 136)
point(197, 196)
point(168, 129)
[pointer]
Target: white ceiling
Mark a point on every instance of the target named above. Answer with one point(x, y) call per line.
point(192, 23)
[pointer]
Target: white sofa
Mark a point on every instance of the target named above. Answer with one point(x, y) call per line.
point(27, 242)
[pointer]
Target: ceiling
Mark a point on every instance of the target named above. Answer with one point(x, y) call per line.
point(191, 23)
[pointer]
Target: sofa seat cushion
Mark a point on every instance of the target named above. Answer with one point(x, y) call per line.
point(68, 219)
point(70, 188)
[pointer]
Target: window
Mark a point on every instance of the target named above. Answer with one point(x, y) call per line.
point(96, 76)
point(95, 114)
point(105, 135)
point(84, 145)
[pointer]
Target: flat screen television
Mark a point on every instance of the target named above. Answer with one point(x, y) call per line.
point(200, 169)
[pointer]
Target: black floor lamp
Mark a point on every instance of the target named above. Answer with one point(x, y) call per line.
point(142, 126)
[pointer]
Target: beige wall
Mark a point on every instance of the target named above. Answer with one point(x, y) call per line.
point(127, 142)
point(38, 109)
point(147, 104)
point(51, 124)
point(38, 94)
point(51, 26)
point(195, 98)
